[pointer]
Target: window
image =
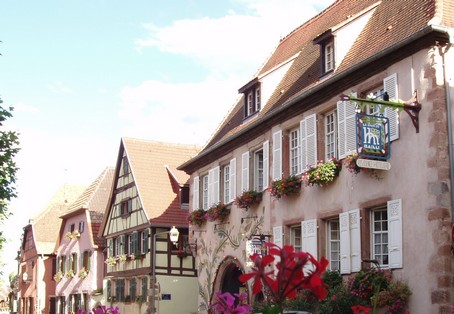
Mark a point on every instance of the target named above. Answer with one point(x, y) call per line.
point(252, 98)
point(379, 237)
point(134, 243)
point(86, 260)
point(81, 226)
point(295, 157)
point(125, 167)
point(120, 289)
point(126, 207)
point(226, 183)
point(258, 171)
point(74, 262)
point(133, 289)
point(144, 287)
point(333, 243)
point(62, 264)
point(111, 245)
point(205, 192)
point(295, 237)
point(72, 227)
point(144, 235)
point(328, 56)
point(308, 132)
point(184, 197)
point(330, 135)
point(120, 245)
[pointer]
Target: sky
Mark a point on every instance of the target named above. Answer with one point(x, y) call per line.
point(82, 74)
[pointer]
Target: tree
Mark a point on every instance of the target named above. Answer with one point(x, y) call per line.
point(9, 147)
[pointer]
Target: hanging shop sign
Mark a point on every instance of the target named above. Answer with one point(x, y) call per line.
point(254, 246)
point(372, 136)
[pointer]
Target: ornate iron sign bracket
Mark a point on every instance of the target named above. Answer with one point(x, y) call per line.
point(411, 106)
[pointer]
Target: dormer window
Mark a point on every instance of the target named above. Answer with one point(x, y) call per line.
point(252, 98)
point(328, 57)
point(326, 42)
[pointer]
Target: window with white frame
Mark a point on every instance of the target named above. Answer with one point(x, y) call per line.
point(226, 184)
point(295, 151)
point(295, 237)
point(333, 243)
point(328, 50)
point(308, 133)
point(379, 236)
point(205, 192)
point(330, 135)
point(252, 102)
point(258, 170)
point(144, 235)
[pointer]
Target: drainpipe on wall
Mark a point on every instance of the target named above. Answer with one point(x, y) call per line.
point(450, 137)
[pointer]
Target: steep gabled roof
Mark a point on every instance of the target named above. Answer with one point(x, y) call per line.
point(153, 165)
point(395, 29)
point(46, 224)
point(94, 200)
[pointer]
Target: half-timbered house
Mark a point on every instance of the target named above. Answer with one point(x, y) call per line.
point(148, 198)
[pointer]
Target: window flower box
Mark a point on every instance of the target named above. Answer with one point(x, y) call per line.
point(111, 261)
point(197, 217)
point(217, 212)
point(323, 173)
point(58, 276)
point(70, 274)
point(72, 235)
point(248, 199)
point(286, 187)
point(83, 273)
point(122, 258)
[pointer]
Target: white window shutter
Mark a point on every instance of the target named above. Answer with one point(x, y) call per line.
point(213, 186)
point(390, 86)
point(232, 181)
point(345, 262)
point(266, 163)
point(308, 132)
point(195, 195)
point(309, 237)
point(245, 171)
point(355, 239)
point(395, 233)
point(278, 236)
point(346, 127)
point(277, 155)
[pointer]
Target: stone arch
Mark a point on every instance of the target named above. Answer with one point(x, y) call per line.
point(227, 276)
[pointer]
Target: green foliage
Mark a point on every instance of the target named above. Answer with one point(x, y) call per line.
point(323, 173)
point(9, 147)
point(332, 278)
point(338, 301)
point(304, 301)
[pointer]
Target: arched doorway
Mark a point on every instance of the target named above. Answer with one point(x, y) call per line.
point(227, 276)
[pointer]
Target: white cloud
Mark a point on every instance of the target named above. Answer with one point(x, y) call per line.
point(59, 88)
point(230, 48)
point(184, 113)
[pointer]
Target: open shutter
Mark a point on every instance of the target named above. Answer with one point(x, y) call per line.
point(245, 171)
point(346, 127)
point(195, 195)
point(232, 182)
point(213, 186)
point(308, 131)
point(345, 262)
point(309, 237)
point(277, 155)
point(390, 86)
point(355, 240)
point(266, 164)
point(395, 233)
point(278, 236)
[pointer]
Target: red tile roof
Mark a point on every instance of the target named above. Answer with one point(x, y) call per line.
point(391, 27)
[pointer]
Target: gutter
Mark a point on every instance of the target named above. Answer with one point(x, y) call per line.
point(329, 82)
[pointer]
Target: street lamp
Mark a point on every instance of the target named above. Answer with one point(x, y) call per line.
point(174, 238)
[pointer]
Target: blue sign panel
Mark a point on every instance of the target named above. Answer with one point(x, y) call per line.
point(372, 137)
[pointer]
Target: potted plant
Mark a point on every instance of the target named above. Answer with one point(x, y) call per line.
point(248, 199)
point(58, 276)
point(323, 173)
point(285, 187)
point(350, 163)
point(218, 211)
point(197, 217)
point(83, 273)
point(70, 273)
point(182, 253)
point(111, 260)
point(121, 257)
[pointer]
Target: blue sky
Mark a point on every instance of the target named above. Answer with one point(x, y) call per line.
point(83, 74)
